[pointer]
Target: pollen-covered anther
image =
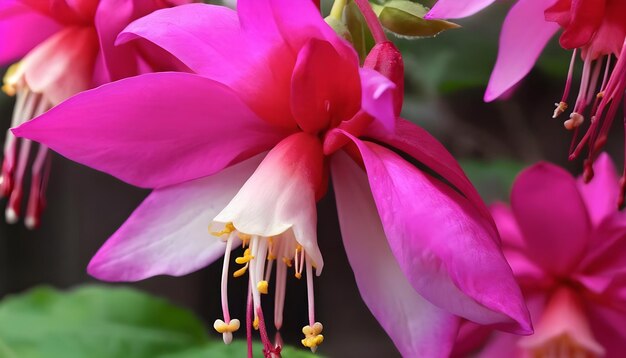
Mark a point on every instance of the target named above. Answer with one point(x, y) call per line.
point(226, 329)
point(228, 228)
point(256, 323)
point(245, 259)
point(560, 108)
point(313, 336)
point(574, 121)
point(11, 79)
point(262, 286)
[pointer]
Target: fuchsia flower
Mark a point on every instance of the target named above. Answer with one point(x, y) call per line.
point(568, 255)
point(66, 47)
point(245, 146)
point(595, 28)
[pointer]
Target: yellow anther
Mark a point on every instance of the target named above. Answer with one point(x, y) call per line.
point(241, 271)
point(245, 258)
point(313, 336)
point(11, 78)
point(270, 257)
point(223, 327)
point(262, 287)
point(298, 248)
point(298, 275)
point(560, 108)
point(255, 323)
point(228, 228)
point(287, 261)
point(226, 329)
point(600, 94)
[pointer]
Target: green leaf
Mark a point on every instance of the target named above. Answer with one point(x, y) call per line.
point(406, 18)
point(362, 39)
point(238, 348)
point(493, 179)
point(94, 322)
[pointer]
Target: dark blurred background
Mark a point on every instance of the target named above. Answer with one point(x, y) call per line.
point(446, 77)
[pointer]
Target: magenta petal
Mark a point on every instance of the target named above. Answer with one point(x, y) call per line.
point(208, 39)
point(507, 226)
point(524, 35)
point(601, 193)
point(294, 22)
point(422, 146)
point(21, 29)
point(378, 99)
point(154, 130)
point(111, 18)
point(552, 216)
point(167, 234)
point(418, 328)
point(445, 247)
point(325, 87)
point(454, 9)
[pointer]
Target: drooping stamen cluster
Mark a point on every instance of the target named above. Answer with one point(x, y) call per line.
point(28, 105)
point(600, 101)
point(258, 258)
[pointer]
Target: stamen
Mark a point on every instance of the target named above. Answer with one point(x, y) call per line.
point(228, 228)
point(12, 213)
point(262, 286)
point(312, 332)
point(279, 299)
point(228, 326)
point(562, 105)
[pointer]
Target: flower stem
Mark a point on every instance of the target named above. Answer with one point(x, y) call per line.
point(372, 21)
point(337, 9)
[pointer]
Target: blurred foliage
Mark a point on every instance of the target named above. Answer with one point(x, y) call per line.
point(493, 179)
point(104, 322)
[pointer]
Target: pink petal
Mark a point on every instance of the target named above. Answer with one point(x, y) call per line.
point(211, 43)
point(294, 22)
point(608, 327)
point(110, 19)
point(418, 328)
point(378, 99)
point(604, 258)
point(444, 246)
point(167, 234)
point(419, 144)
point(507, 225)
point(325, 87)
point(600, 195)
point(281, 195)
point(564, 315)
point(455, 9)
point(154, 130)
point(21, 29)
point(62, 66)
point(524, 35)
point(552, 216)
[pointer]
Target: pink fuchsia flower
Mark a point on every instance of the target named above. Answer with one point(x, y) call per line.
point(65, 47)
point(567, 253)
point(246, 145)
point(595, 29)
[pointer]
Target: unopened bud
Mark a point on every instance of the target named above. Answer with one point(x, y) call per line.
point(387, 60)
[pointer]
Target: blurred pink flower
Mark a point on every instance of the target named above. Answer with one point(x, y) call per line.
point(594, 28)
point(565, 243)
point(245, 145)
point(65, 47)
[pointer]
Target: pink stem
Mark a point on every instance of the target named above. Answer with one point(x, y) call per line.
point(372, 21)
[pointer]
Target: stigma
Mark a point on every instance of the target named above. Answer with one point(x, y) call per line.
point(259, 257)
